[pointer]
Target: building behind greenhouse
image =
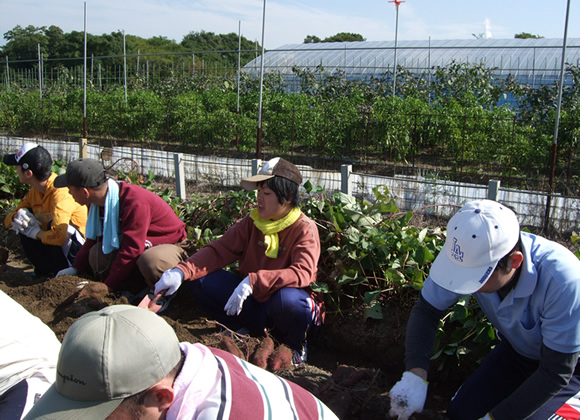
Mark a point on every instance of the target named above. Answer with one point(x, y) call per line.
point(535, 62)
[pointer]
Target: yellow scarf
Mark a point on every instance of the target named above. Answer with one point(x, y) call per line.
point(270, 229)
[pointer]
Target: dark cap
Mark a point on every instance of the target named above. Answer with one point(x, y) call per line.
point(274, 167)
point(82, 173)
point(30, 156)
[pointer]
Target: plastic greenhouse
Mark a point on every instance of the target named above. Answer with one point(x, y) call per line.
point(531, 61)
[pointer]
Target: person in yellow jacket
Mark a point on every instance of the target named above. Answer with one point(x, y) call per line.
point(50, 223)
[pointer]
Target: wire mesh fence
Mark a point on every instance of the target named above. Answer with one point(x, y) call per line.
point(430, 196)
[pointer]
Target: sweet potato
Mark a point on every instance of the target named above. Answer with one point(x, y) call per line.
point(281, 358)
point(230, 346)
point(262, 353)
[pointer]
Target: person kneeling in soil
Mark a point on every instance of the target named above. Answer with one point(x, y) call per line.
point(132, 233)
point(277, 247)
point(125, 362)
point(51, 225)
point(529, 289)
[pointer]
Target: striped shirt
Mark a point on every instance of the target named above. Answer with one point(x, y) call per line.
point(214, 384)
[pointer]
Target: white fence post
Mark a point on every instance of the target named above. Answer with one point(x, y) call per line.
point(345, 184)
point(179, 175)
point(493, 189)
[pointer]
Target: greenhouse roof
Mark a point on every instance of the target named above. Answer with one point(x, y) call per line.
point(371, 57)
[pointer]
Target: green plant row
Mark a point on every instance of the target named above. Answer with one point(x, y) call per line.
point(455, 119)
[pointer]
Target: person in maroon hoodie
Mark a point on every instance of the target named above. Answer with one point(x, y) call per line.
point(130, 230)
point(277, 247)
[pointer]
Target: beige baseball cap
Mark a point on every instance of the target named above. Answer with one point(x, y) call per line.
point(105, 357)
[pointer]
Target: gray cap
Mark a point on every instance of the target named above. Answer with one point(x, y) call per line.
point(83, 173)
point(105, 357)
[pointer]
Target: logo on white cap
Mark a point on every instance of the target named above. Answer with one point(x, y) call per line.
point(26, 147)
point(456, 251)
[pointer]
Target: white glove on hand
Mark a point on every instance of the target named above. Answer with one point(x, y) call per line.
point(170, 281)
point(487, 417)
point(18, 225)
point(22, 219)
point(408, 396)
point(238, 297)
point(70, 271)
point(31, 231)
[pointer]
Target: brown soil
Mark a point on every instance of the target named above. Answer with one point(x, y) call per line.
point(352, 362)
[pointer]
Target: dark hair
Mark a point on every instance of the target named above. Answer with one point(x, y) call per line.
point(285, 190)
point(502, 264)
point(99, 187)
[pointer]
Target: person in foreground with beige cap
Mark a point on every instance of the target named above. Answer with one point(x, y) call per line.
point(126, 363)
point(277, 247)
point(529, 289)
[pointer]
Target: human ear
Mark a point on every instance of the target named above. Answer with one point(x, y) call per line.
point(161, 396)
point(27, 173)
point(516, 260)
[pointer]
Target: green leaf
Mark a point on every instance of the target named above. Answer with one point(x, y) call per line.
point(458, 313)
point(319, 287)
point(373, 311)
point(422, 255)
point(370, 296)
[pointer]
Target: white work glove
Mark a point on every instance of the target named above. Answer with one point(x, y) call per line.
point(170, 281)
point(238, 297)
point(70, 271)
point(487, 417)
point(22, 219)
point(31, 231)
point(408, 396)
point(18, 225)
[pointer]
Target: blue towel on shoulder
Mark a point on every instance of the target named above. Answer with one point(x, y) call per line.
point(109, 229)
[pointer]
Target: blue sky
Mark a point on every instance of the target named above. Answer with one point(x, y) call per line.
point(290, 21)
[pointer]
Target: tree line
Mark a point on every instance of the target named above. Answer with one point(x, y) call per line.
point(58, 47)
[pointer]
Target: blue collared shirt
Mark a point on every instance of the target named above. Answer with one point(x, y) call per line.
point(543, 307)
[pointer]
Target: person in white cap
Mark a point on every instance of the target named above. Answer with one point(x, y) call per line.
point(126, 363)
point(277, 247)
point(529, 289)
point(51, 225)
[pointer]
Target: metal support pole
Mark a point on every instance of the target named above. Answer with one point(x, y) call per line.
point(555, 142)
point(259, 134)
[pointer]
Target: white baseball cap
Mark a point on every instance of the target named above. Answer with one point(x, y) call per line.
point(479, 235)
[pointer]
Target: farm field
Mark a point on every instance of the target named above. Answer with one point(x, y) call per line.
point(351, 366)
